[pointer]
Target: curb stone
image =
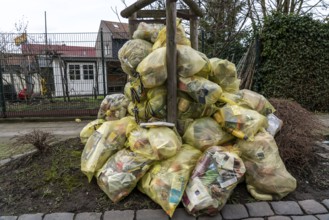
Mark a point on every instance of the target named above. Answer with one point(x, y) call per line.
point(323, 217)
point(146, 214)
point(278, 217)
point(312, 207)
point(88, 216)
point(237, 211)
point(59, 215)
point(8, 217)
point(305, 217)
point(119, 215)
point(286, 208)
point(37, 216)
point(259, 209)
point(326, 203)
point(181, 214)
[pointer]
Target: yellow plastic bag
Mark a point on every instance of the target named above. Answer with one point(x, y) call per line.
point(135, 91)
point(153, 69)
point(255, 101)
point(191, 109)
point(165, 182)
point(241, 122)
point(205, 132)
point(180, 36)
point(147, 31)
point(105, 141)
point(113, 106)
point(206, 70)
point(183, 124)
point(189, 61)
point(132, 53)
point(120, 174)
point(213, 180)
point(200, 89)
point(156, 106)
point(138, 110)
point(89, 129)
point(224, 74)
point(266, 175)
point(157, 143)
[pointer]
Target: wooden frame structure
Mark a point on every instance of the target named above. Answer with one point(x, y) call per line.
point(168, 16)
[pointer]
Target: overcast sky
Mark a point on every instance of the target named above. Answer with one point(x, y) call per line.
point(63, 16)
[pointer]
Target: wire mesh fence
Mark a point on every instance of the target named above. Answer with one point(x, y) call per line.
point(58, 74)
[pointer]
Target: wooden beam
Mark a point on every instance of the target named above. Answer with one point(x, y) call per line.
point(182, 13)
point(127, 12)
point(194, 23)
point(194, 7)
point(156, 21)
point(171, 60)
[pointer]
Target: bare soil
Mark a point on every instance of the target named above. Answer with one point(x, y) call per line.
point(53, 182)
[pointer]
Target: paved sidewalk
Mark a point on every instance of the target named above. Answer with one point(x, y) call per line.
point(282, 210)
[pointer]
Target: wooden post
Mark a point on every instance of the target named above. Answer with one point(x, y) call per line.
point(194, 23)
point(132, 24)
point(171, 58)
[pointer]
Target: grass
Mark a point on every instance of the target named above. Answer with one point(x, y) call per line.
point(7, 149)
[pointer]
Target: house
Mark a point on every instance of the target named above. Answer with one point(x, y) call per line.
point(70, 70)
point(115, 35)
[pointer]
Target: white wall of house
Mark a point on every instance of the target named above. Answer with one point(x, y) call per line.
point(81, 78)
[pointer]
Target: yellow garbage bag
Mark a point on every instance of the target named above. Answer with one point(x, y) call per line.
point(138, 110)
point(165, 182)
point(205, 132)
point(180, 36)
point(206, 70)
point(135, 91)
point(200, 89)
point(189, 61)
point(132, 53)
point(153, 69)
point(105, 141)
point(156, 143)
point(183, 124)
point(213, 180)
point(113, 106)
point(156, 106)
point(89, 129)
point(266, 175)
point(147, 31)
point(255, 101)
point(120, 174)
point(224, 74)
point(241, 122)
point(191, 109)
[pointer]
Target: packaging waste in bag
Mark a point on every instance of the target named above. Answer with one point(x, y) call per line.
point(105, 141)
point(157, 143)
point(200, 89)
point(180, 36)
point(217, 173)
point(156, 106)
point(188, 108)
point(205, 132)
point(266, 175)
point(255, 101)
point(113, 106)
point(240, 122)
point(138, 110)
point(147, 31)
point(224, 74)
point(165, 182)
point(189, 61)
point(153, 69)
point(132, 53)
point(121, 172)
point(89, 129)
point(134, 90)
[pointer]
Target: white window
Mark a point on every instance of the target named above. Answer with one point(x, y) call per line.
point(81, 71)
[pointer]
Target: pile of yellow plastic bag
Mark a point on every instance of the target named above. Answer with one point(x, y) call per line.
point(222, 133)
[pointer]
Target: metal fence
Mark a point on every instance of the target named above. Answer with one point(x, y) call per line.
point(58, 74)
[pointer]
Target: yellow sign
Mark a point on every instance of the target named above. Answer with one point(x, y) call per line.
point(21, 39)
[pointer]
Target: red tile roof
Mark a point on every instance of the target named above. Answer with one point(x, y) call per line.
point(63, 50)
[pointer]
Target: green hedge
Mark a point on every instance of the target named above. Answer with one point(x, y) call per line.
point(294, 60)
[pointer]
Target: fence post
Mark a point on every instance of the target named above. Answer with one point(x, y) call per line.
point(103, 63)
point(2, 96)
